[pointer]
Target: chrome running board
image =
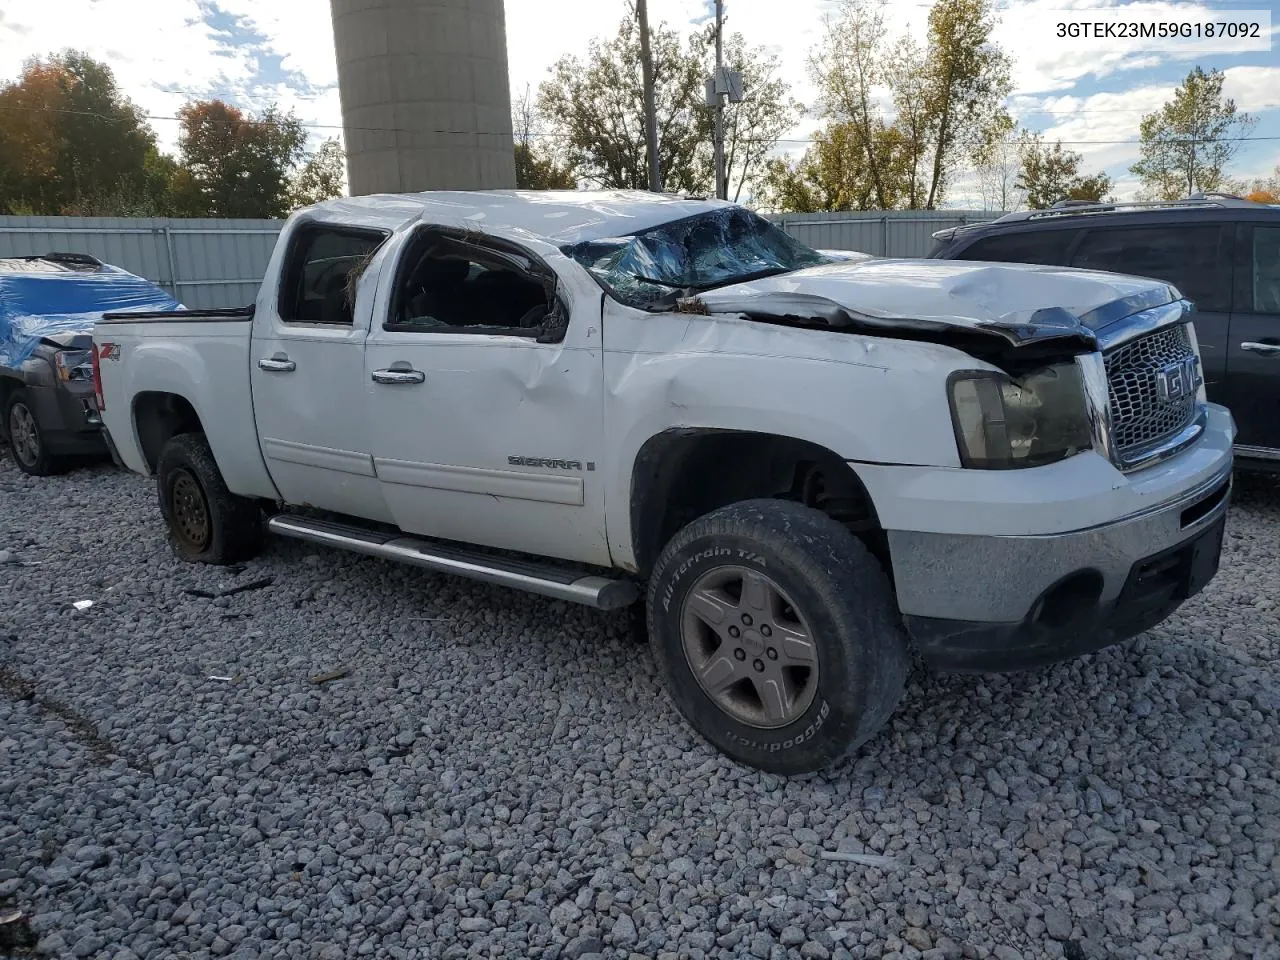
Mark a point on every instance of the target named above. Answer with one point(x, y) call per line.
point(545, 579)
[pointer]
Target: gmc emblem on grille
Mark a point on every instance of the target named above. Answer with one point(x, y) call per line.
point(1178, 380)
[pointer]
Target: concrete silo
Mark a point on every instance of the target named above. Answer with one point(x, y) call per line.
point(426, 104)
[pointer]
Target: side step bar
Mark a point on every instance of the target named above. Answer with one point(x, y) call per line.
point(547, 580)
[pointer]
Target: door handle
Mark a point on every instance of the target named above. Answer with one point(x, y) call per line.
point(399, 376)
point(277, 365)
point(1266, 349)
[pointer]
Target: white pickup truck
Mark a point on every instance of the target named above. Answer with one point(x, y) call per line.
point(806, 468)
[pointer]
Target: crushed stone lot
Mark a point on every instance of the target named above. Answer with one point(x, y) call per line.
point(499, 775)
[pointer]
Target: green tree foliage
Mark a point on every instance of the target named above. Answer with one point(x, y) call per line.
point(1050, 173)
point(321, 177)
point(234, 164)
point(1188, 143)
point(595, 108)
point(945, 106)
point(71, 143)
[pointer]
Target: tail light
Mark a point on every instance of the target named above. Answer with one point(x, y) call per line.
point(97, 382)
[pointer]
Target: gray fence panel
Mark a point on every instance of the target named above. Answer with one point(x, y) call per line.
point(219, 263)
point(894, 233)
point(204, 263)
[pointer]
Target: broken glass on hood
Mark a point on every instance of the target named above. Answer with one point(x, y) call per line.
point(655, 267)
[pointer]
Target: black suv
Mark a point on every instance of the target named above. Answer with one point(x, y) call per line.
point(1221, 252)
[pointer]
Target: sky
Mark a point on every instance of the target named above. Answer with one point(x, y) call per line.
point(1088, 93)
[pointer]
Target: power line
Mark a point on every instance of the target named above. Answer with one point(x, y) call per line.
point(549, 134)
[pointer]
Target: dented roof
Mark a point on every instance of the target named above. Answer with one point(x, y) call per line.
point(557, 216)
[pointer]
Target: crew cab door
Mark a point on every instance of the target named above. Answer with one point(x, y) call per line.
point(1253, 358)
point(484, 402)
point(307, 371)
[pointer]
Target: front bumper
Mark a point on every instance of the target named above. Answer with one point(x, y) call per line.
point(1005, 601)
point(68, 418)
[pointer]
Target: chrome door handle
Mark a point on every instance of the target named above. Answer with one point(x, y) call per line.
point(1266, 349)
point(399, 376)
point(277, 365)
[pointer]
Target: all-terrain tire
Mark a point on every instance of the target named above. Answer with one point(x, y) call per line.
point(26, 438)
point(207, 522)
point(821, 575)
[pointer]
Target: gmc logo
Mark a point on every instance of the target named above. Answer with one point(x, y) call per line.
point(1178, 380)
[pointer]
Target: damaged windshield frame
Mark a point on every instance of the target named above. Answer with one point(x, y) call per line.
point(601, 257)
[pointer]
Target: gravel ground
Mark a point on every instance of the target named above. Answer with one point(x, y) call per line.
point(500, 775)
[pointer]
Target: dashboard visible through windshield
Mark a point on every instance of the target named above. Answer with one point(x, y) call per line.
point(653, 268)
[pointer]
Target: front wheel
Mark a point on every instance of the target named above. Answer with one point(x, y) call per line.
point(26, 439)
point(778, 635)
point(207, 522)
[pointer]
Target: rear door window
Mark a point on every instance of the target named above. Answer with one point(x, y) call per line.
point(1189, 257)
point(1266, 270)
point(1028, 246)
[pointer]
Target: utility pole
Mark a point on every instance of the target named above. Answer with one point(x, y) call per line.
point(650, 110)
point(722, 190)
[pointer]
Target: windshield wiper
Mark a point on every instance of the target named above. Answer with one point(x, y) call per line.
point(745, 278)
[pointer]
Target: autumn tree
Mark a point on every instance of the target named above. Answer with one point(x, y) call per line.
point(538, 164)
point(234, 164)
point(831, 175)
point(322, 176)
point(1260, 189)
point(945, 103)
point(998, 165)
point(72, 143)
point(1050, 173)
point(1188, 143)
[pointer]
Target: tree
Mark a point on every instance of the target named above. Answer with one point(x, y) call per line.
point(1188, 143)
point(1049, 174)
point(73, 143)
point(537, 167)
point(998, 166)
point(967, 81)
point(1259, 190)
point(830, 176)
point(597, 106)
point(322, 176)
point(234, 164)
point(945, 101)
point(595, 109)
point(753, 126)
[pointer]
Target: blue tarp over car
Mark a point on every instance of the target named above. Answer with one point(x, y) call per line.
point(41, 297)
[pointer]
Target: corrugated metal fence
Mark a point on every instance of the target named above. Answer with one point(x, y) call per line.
point(203, 263)
point(884, 233)
point(218, 263)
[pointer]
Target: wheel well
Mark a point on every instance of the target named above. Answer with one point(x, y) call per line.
point(682, 474)
point(159, 416)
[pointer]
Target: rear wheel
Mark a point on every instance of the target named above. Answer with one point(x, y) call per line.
point(778, 635)
point(207, 522)
point(26, 439)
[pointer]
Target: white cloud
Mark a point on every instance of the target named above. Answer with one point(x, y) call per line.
point(151, 45)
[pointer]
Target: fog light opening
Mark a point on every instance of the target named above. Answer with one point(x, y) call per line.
point(1072, 601)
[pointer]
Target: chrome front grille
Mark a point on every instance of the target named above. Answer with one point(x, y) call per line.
point(1153, 383)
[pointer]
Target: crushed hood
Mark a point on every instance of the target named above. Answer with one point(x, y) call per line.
point(990, 310)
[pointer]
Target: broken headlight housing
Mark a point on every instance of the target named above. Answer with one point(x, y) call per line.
point(73, 365)
point(1002, 422)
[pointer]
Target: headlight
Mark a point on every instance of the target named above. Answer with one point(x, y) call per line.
point(73, 364)
point(1003, 423)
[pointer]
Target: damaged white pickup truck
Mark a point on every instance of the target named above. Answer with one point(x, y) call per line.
point(806, 468)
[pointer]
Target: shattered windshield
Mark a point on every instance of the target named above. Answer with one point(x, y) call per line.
point(653, 268)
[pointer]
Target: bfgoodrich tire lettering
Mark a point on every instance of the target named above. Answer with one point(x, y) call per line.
point(829, 582)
